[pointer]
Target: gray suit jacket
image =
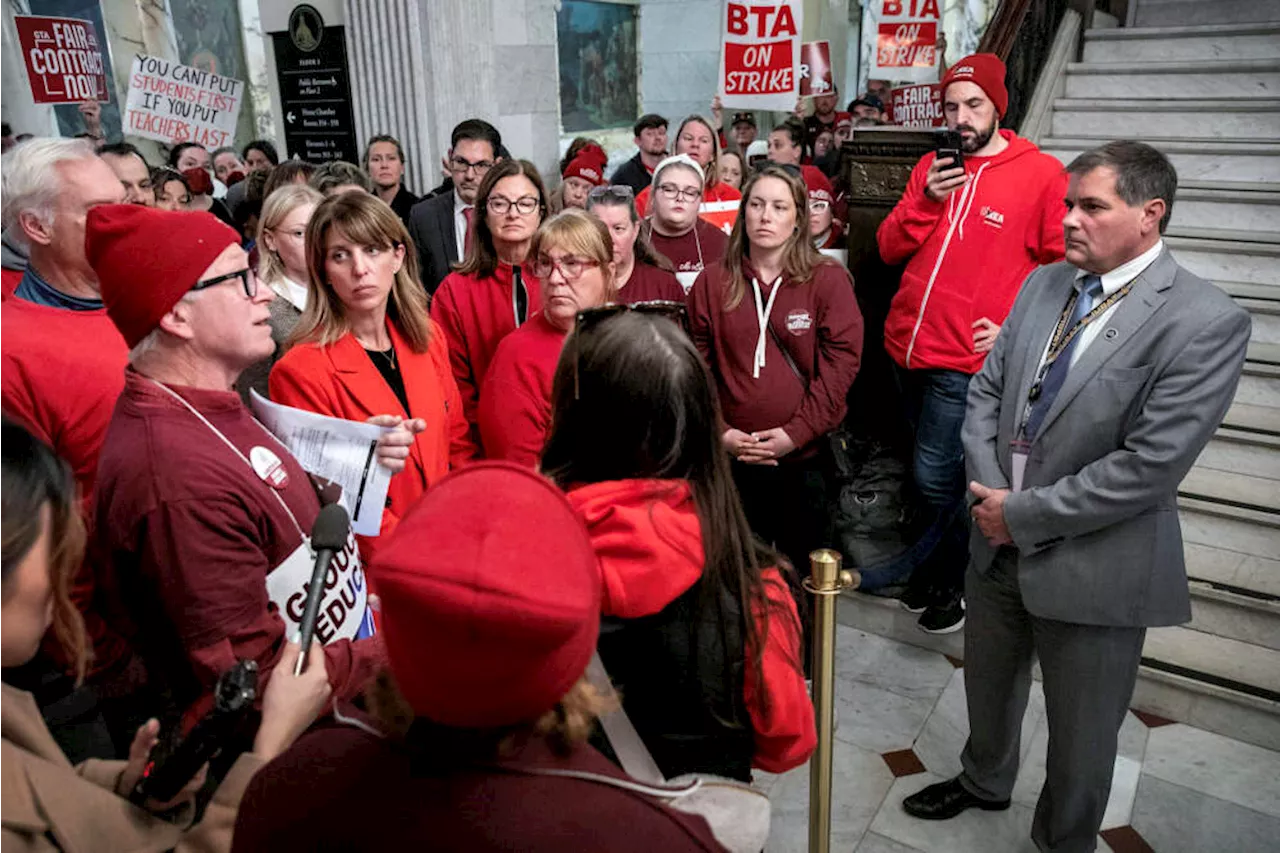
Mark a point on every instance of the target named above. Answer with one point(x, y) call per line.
point(1096, 522)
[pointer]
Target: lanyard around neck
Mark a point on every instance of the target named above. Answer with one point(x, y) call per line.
point(763, 310)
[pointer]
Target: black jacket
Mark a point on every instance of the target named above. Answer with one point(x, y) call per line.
point(632, 174)
point(403, 203)
point(431, 227)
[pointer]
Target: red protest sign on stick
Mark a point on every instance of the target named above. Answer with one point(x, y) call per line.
point(63, 58)
point(917, 106)
point(816, 74)
point(760, 55)
point(906, 40)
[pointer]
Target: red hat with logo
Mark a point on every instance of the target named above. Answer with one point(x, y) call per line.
point(147, 259)
point(987, 71)
point(819, 187)
point(844, 120)
point(490, 594)
point(585, 166)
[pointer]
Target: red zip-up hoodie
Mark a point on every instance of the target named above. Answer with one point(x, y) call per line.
point(968, 255)
point(648, 539)
point(475, 314)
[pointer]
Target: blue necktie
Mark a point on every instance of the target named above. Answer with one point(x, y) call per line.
point(1051, 384)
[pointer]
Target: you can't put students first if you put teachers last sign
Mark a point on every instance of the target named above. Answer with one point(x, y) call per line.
point(176, 103)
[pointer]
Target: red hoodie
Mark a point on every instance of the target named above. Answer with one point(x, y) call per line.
point(649, 541)
point(515, 403)
point(475, 314)
point(967, 256)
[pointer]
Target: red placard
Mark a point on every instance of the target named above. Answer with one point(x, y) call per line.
point(758, 69)
point(760, 54)
point(917, 106)
point(816, 75)
point(64, 59)
point(913, 45)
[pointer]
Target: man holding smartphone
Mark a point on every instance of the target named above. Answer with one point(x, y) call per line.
point(974, 222)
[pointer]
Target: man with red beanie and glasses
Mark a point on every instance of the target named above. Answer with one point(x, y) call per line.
point(969, 234)
point(204, 515)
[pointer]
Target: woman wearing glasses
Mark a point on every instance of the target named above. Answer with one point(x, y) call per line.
point(492, 293)
point(699, 630)
point(282, 266)
point(572, 256)
point(780, 329)
point(642, 275)
point(718, 201)
point(365, 350)
point(825, 229)
point(675, 230)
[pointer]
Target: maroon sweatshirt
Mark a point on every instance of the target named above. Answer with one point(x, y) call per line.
point(648, 284)
point(193, 534)
point(819, 324)
point(701, 247)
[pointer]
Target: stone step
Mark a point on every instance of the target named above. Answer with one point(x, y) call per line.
point(1248, 418)
point(1222, 233)
point(1224, 612)
point(1225, 658)
point(1230, 118)
point(1233, 488)
point(1166, 44)
point(1236, 451)
point(1261, 298)
point(1266, 320)
point(1259, 386)
point(1208, 78)
point(1261, 353)
point(1188, 13)
point(1246, 262)
point(1230, 568)
point(1238, 160)
point(1254, 214)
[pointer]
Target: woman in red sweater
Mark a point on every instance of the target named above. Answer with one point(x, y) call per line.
point(573, 258)
point(780, 329)
point(365, 350)
point(699, 631)
point(675, 230)
point(492, 293)
point(642, 274)
point(719, 201)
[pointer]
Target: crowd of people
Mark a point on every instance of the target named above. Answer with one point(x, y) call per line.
point(606, 413)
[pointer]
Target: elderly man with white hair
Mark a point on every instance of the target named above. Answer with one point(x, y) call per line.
point(205, 516)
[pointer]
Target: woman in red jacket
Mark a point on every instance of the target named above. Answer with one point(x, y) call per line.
point(778, 325)
point(364, 348)
point(573, 258)
point(699, 632)
point(643, 275)
point(492, 293)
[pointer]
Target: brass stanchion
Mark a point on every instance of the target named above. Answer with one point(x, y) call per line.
point(825, 581)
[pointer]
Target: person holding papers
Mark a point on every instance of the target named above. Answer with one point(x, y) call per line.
point(365, 349)
point(203, 514)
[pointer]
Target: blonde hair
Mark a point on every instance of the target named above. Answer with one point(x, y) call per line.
point(368, 221)
point(799, 257)
point(275, 210)
point(712, 169)
point(583, 235)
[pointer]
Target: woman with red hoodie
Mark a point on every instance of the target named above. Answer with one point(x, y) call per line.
point(491, 295)
point(699, 630)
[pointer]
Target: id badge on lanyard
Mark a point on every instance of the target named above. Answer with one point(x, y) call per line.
point(1019, 450)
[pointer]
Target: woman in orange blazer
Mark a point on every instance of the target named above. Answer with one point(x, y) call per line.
point(365, 349)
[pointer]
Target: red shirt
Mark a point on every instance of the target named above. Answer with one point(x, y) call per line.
point(702, 246)
point(819, 324)
point(475, 314)
point(193, 534)
point(967, 256)
point(515, 403)
point(62, 372)
point(648, 284)
point(648, 539)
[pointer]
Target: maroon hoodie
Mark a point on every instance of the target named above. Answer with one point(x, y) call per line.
point(819, 324)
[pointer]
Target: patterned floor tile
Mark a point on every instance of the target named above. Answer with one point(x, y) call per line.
point(1174, 819)
point(973, 831)
point(859, 783)
point(1215, 765)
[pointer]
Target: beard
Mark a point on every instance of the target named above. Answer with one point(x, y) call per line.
point(980, 137)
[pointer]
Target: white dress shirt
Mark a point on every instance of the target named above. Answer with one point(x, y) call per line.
point(292, 292)
point(460, 224)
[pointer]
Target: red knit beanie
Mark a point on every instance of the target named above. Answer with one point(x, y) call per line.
point(585, 168)
point(490, 595)
point(147, 259)
point(986, 70)
point(818, 185)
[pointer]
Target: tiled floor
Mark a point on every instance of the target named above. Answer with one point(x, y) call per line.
point(901, 725)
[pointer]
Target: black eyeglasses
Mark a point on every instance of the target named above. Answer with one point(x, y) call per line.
point(617, 192)
point(590, 317)
point(248, 281)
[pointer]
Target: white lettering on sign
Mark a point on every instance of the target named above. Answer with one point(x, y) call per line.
point(344, 606)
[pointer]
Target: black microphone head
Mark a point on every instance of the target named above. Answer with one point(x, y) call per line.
point(330, 530)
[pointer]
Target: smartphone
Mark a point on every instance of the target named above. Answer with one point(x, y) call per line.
point(947, 147)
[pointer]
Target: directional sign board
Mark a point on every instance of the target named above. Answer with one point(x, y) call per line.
point(315, 89)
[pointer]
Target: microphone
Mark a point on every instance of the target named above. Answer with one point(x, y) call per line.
point(328, 536)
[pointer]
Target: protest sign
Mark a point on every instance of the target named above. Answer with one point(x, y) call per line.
point(816, 74)
point(917, 106)
point(760, 55)
point(177, 103)
point(906, 40)
point(64, 60)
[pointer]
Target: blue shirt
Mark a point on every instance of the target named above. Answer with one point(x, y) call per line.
point(35, 289)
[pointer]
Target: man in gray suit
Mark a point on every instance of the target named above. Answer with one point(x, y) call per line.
point(1110, 375)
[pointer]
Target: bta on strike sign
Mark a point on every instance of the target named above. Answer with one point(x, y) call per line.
point(177, 103)
point(917, 106)
point(906, 40)
point(760, 55)
point(63, 58)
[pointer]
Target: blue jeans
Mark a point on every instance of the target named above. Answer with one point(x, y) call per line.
point(935, 401)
